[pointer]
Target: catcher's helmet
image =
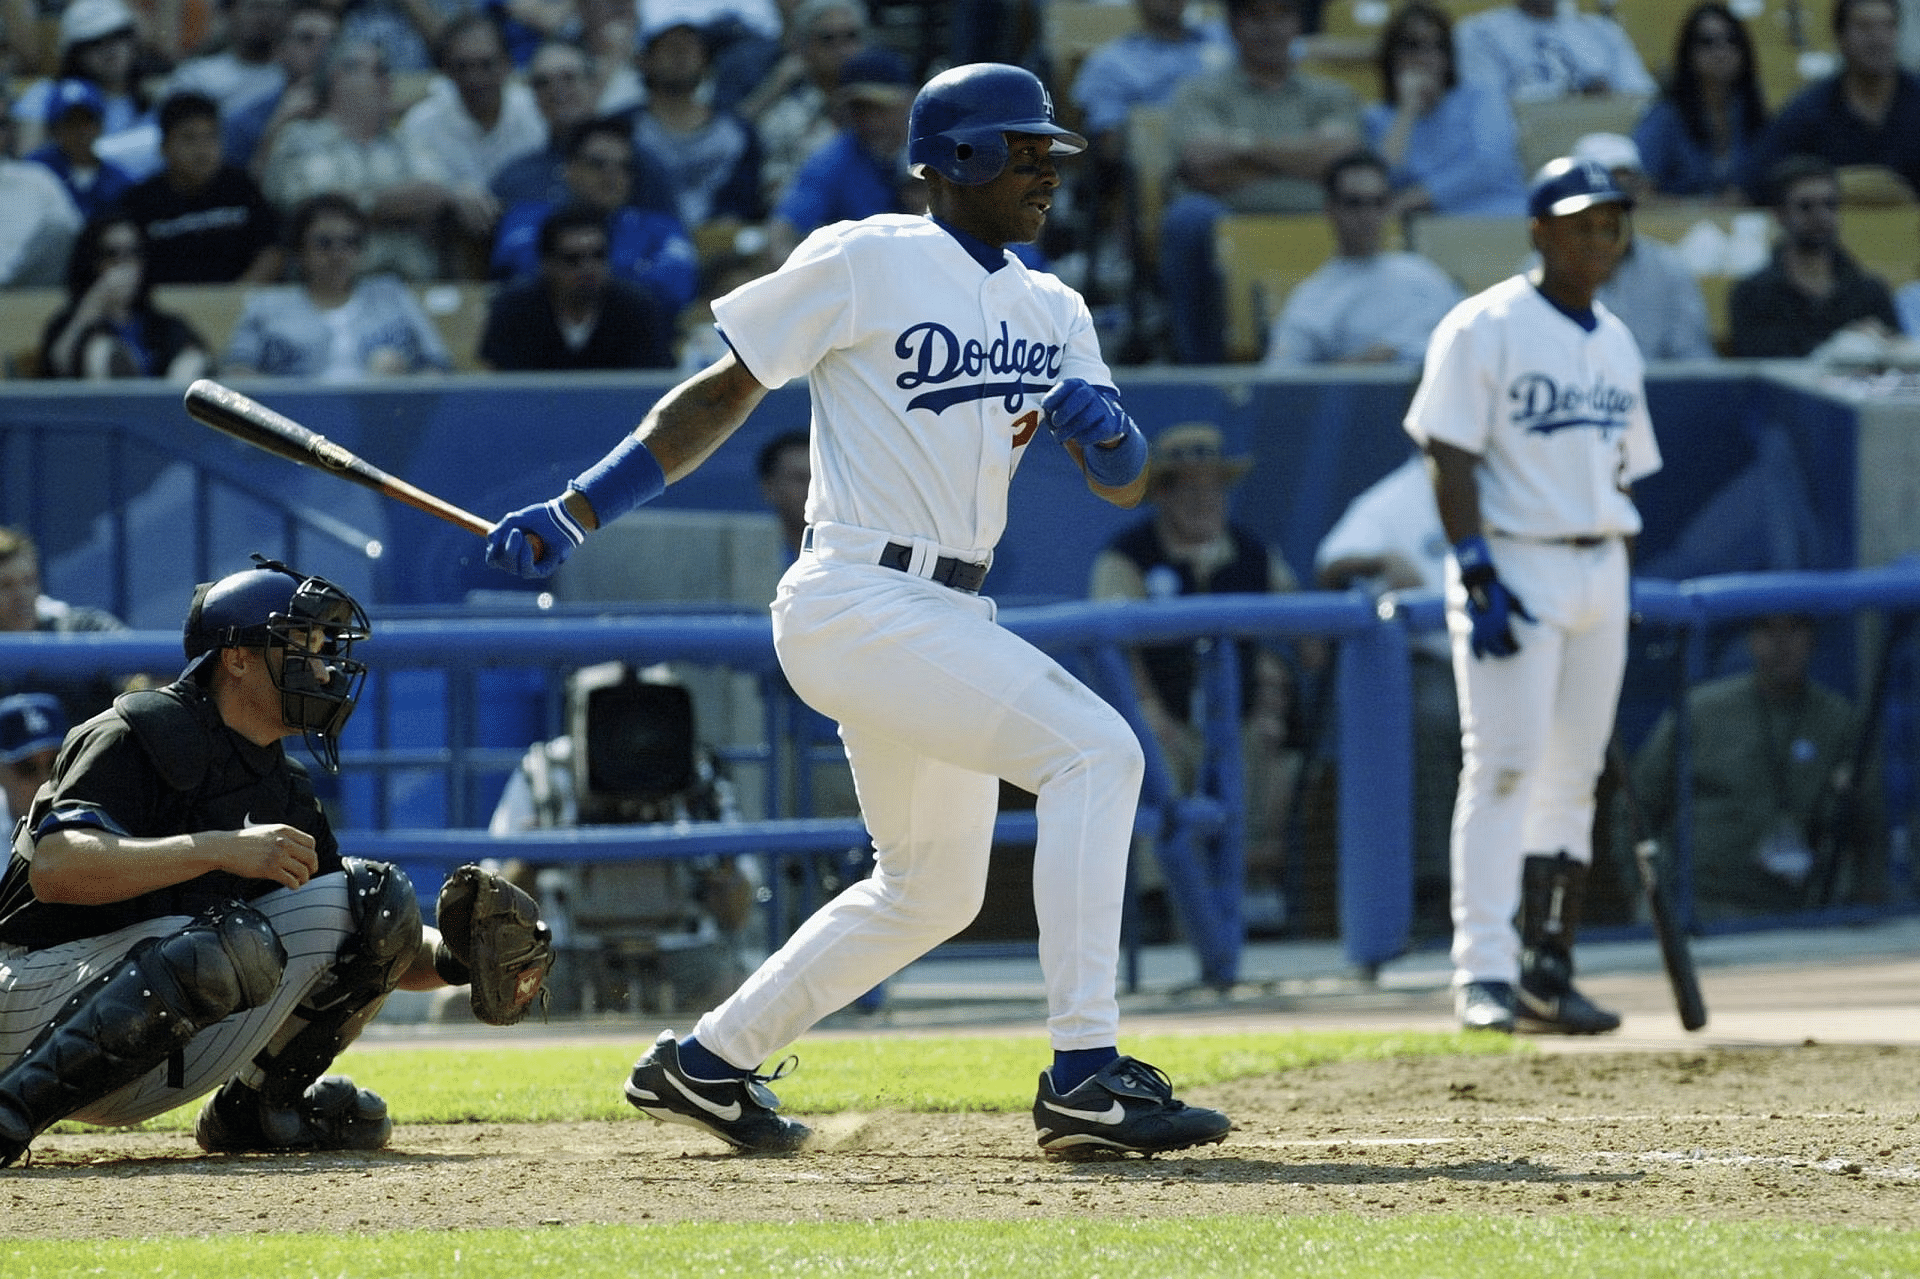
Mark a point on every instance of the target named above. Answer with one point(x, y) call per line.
point(961, 118)
point(1567, 185)
point(314, 623)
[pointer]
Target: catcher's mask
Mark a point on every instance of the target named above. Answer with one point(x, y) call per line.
point(306, 627)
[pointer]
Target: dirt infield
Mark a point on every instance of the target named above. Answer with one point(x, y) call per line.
point(1801, 1102)
point(1815, 1134)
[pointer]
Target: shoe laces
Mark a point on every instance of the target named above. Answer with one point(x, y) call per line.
point(788, 1064)
point(756, 1084)
point(1145, 1075)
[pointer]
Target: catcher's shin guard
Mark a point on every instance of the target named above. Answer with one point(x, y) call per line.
point(370, 965)
point(288, 1102)
point(1552, 889)
point(136, 1015)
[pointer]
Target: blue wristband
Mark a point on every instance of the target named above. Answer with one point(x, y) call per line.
point(1472, 553)
point(1120, 465)
point(627, 477)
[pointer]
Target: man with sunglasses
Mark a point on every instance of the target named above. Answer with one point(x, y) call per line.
point(647, 248)
point(176, 917)
point(1367, 304)
point(1812, 288)
point(574, 314)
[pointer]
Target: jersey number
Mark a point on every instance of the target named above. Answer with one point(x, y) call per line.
point(1024, 426)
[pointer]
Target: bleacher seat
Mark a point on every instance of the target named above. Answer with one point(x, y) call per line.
point(458, 308)
point(1074, 29)
point(1150, 156)
point(1549, 129)
point(1263, 257)
point(23, 316)
point(1477, 252)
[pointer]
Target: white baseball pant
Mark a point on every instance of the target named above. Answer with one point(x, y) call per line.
point(936, 703)
point(313, 921)
point(1534, 730)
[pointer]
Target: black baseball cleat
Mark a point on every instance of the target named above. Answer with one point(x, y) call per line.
point(1485, 1005)
point(333, 1114)
point(15, 1137)
point(1560, 1010)
point(1128, 1108)
point(740, 1112)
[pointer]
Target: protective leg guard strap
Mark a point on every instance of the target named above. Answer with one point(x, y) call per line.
point(134, 1016)
point(1552, 891)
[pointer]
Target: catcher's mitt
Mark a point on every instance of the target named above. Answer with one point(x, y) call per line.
point(495, 932)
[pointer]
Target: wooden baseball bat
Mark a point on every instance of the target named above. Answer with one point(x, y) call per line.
point(245, 418)
point(1676, 952)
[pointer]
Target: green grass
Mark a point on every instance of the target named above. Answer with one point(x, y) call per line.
point(1324, 1247)
point(509, 1083)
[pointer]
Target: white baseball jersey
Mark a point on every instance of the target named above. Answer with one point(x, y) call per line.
point(1558, 415)
point(927, 359)
point(921, 412)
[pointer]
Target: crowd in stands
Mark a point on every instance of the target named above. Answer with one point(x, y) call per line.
point(711, 136)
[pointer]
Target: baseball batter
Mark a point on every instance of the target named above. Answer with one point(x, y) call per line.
point(934, 359)
point(1533, 414)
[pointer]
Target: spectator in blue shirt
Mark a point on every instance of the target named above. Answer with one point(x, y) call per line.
point(1141, 68)
point(75, 115)
point(1697, 138)
point(863, 169)
point(1451, 146)
point(650, 249)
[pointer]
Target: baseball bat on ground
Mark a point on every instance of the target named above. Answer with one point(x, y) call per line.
point(245, 418)
point(1676, 952)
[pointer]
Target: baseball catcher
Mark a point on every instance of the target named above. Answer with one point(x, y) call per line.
point(176, 917)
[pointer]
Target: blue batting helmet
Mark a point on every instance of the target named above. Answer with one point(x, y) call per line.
point(961, 118)
point(1567, 185)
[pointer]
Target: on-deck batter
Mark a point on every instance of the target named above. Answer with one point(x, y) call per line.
point(933, 357)
point(1533, 414)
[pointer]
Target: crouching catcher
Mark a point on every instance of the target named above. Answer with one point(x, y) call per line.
point(176, 917)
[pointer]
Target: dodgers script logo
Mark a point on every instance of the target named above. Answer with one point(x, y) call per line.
point(1543, 406)
point(936, 356)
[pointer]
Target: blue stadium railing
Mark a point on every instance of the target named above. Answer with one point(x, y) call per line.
point(1198, 838)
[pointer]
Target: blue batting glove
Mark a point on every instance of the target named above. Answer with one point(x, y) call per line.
point(510, 543)
point(1491, 607)
point(1076, 411)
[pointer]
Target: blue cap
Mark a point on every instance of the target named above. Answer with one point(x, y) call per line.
point(877, 71)
point(1567, 185)
point(30, 723)
point(66, 95)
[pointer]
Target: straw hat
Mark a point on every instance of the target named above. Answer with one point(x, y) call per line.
point(1189, 446)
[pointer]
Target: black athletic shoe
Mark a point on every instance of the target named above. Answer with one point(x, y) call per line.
point(1560, 1011)
point(15, 1137)
point(332, 1114)
point(740, 1112)
point(1485, 1005)
point(1126, 1109)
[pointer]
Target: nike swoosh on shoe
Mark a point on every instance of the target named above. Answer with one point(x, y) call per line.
point(1111, 1115)
point(726, 1114)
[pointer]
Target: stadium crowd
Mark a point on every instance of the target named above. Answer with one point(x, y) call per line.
point(709, 136)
